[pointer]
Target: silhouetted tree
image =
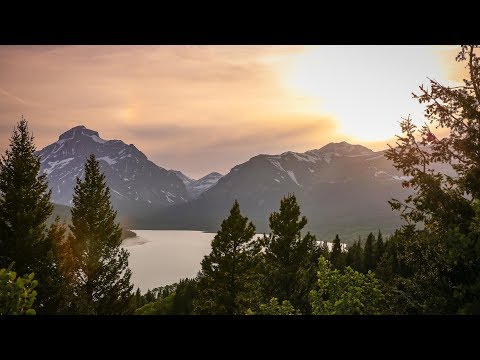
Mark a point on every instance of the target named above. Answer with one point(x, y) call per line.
point(445, 204)
point(24, 209)
point(102, 277)
point(379, 248)
point(336, 256)
point(290, 259)
point(184, 296)
point(354, 257)
point(227, 283)
point(369, 255)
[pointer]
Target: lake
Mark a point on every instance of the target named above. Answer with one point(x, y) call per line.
point(162, 257)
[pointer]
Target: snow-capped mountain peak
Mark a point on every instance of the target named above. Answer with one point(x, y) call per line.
point(129, 173)
point(197, 187)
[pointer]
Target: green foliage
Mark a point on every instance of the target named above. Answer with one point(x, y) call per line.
point(379, 248)
point(185, 294)
point(337, 257)
point(164, 306)
point(24, 209)
point(228, 280)
point(463, 262)
point(415, 273)
point(17, 294)
point(441, 201)
point(275, 308)
point(354, 257)
point(101, 281)
point(174, 299)
point(436, 270)
point(290, 258)
point(56, 271)
point(347, 293)
point(369, 253)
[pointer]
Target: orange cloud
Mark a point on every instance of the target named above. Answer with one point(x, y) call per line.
point(193, 108)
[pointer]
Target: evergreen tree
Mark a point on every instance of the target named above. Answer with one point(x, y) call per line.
point(228, 279)
point(324, 250)
point(184, 296)
point(138, 299)
point(368, 251)
point(24, 204)
point(149, 296)
point(336, 256)
point(24, 209)
point(290, 259)
point(379, 248)
point(354, 257)
point(444, 204)
point(102, 277)
point(57, 271)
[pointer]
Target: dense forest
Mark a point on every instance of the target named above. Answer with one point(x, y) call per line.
point(430, 265)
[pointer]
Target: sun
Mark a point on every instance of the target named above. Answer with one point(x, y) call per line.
point(366, 89)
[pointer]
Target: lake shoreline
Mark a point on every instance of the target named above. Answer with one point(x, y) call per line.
point(128, 234)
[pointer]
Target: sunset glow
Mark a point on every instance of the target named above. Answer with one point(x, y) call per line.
point(207, 108)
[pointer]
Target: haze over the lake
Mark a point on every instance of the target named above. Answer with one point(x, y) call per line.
point(200, 109)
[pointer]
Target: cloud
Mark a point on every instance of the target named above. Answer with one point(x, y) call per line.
point(194, 108)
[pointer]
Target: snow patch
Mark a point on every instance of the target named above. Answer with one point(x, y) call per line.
point(116, 192)
point(57, 164)
point(96, 139)
point(292, 176)
point(375, 158)
point(311, 170)
point(276, 164)
point(277, 180)
point(108, 159)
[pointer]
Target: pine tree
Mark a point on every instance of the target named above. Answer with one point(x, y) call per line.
point(57, 271)
point(445, 205)
point(24, 209)
point(228, 279)
point(290, 259)
point(336, 256)
point(379, 248)
point(185, 294)
point(324, 250)
point(368, 251)
point(354, 257)
point(24, 203)
point(102, 277)
point(138, 299)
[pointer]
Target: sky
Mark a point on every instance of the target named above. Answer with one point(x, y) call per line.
point(200, 109)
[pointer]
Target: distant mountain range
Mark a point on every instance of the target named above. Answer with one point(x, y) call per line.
point(342, 188)
point(135, 182)
point(196, 187)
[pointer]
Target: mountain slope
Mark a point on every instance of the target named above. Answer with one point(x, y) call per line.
point(135, 182)
point(196, 187)
point(341, 188)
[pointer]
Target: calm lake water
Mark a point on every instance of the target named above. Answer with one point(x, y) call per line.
point(162, 257)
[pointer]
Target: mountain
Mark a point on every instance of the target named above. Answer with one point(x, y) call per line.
point(196, 187)
point(136, 184)
point(342, 188)
point(185, 179)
